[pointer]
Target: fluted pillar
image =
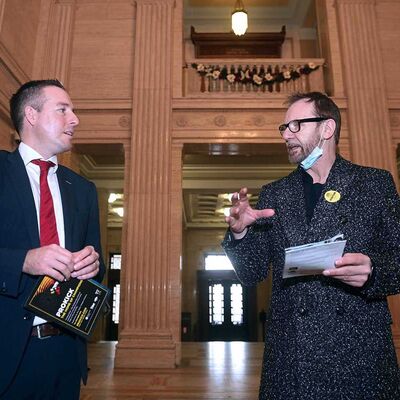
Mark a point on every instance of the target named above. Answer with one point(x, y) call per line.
point(2, 5)
point(329, 47)
point(57, 55)
point(149, 333)
point(102, 194)
point(370, 135)
point(368, 113)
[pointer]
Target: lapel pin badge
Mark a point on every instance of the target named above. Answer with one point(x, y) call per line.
point(332, 196)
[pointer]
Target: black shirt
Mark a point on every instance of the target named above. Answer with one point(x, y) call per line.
point(312, 193)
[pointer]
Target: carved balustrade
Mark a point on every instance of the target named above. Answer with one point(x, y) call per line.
point(252, 77)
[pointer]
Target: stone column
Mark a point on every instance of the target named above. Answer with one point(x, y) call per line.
point(149, 333)
point(2, 5)
point(329, 47)
point(368, 113)
point(370, 135)
point(57, 54)
point(175, 233)
point(102, 194)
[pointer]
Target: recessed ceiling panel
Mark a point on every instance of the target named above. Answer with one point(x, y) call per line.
point(102, 154)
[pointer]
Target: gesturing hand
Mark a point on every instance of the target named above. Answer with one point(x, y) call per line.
point(242, 215)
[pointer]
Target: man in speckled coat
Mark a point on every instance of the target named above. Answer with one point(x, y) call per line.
point(328, 336)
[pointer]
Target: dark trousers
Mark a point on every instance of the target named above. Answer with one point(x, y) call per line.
point(49, 370)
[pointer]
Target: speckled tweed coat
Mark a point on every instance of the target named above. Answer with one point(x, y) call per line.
point(326, 340)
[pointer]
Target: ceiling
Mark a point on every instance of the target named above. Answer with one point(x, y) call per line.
point(263, 16)
point(213, 171)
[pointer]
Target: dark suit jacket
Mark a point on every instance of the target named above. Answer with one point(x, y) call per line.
point(19, 233)
point(327, 340)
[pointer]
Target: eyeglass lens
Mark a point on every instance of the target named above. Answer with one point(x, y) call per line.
point(294, 125)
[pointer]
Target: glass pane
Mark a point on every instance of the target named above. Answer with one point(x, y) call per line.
point(237, 304)
point(216, 304)
point(115, 304)
point(115, 261)
point(215, 262)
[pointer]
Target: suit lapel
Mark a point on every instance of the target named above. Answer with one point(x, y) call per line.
point(68, 204)
point(23, 192)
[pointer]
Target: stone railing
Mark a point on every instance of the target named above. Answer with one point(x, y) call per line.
point(249, 78)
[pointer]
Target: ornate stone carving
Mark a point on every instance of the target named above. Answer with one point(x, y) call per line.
point(124, 121)
point(259, 120)
point(181, 121)
point(220, 121)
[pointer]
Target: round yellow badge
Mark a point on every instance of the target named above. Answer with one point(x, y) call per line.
point(332, 196)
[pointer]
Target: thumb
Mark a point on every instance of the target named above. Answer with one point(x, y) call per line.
point(265, 213)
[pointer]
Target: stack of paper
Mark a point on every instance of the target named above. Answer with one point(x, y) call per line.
point(313, 258)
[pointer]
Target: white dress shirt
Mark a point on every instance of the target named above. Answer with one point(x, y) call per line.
point(28, 154)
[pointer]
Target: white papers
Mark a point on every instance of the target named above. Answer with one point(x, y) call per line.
point(313, 258)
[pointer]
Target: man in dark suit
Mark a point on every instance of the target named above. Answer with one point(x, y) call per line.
point(328, 335)
point(39, 360)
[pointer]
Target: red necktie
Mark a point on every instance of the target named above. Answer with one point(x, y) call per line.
point(48, 227)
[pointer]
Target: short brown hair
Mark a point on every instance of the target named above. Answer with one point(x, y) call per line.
point(29, 94)
point(323, 105)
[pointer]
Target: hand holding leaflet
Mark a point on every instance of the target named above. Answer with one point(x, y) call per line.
point(313, 258)
point(75, 304)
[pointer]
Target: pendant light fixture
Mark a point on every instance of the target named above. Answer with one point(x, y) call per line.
point(239, 19)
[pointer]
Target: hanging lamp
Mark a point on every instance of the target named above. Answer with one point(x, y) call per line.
point(239, 19)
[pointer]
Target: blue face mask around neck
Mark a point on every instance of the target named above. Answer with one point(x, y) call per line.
point(311, 159)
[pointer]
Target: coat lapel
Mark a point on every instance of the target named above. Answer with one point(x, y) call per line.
point(329, 217)
point(23, 192)
point(68, 204)
point(292, 210)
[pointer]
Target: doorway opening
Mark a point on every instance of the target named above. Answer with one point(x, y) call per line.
point(227, 309)
point(103, 164)
point(215, 305)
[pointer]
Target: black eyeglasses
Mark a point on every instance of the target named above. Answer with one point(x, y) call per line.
point(295, 125)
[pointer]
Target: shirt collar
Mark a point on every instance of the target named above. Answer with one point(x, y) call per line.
point(28, 154)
